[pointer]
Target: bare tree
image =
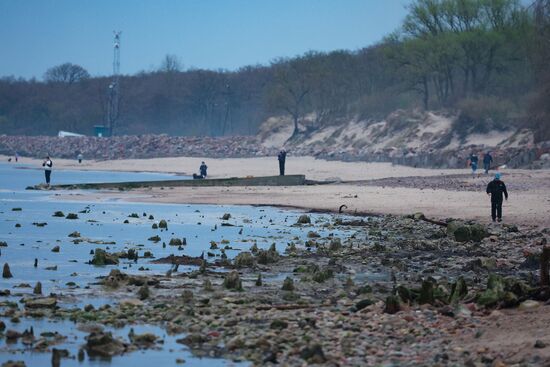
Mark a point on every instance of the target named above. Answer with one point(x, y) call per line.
point(66, 73)
point(170, 64)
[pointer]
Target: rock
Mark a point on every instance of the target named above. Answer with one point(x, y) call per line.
point(304, 219)
point(101, 257)
point(207, 286)
point(175, 242)
point(55, 249)
point(459, 291)
point(288, 284)
point(6, 273)
point(540, 344)
point(145, 340)
point(37, 288)
point(143, 292)
point(362, 304)
point(494, 292)
point(163, 224)
point(43, 302)
point(11, 363)
point(335, 244)
point(460, 231)
point(74, 234)
point(478, 232)
point(320, 275)
point(244, 260)
point(16, 209)
point(226, 216)
point(58, 214)
point(392, 305)
point(265, 257)
point(57, 354)
point(71, 216)
point(259, 280)
point(313, 354)
point(103, 344)
point(418, 216)
point(133, 215)
point(233, 281)
point(529, 305)
point(192, 339)
point(3, 244)
point(154, 226)
point(426, 293)
point(13, 335)
point(89, 308)
point(155, 238)
point(237, 342)
point(312, 234)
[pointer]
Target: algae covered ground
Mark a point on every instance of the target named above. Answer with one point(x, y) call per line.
point(136, 284)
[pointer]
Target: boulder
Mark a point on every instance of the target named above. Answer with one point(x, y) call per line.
point(244, 260)
point(101, 257)
point(102, 344)
point(6, 272)
point(303, 219)
point(233, 281)
point(43, 302)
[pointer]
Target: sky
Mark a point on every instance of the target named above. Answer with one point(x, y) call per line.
point(211, 34)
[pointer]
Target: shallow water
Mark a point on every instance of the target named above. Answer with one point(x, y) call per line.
point(198, 224)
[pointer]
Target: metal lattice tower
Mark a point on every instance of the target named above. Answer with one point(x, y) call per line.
point(114, 87)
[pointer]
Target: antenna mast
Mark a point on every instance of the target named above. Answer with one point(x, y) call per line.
point(114, 86)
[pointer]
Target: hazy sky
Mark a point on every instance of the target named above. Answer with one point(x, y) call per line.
point(213, 34)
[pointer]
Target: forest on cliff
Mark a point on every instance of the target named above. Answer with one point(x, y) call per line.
point(484, 60)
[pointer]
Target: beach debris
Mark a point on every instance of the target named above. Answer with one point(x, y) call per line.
point(103, 344)
point(244, 260)
point(288, 284)
point(175, 242)
point(303, 219)
point(101, 257)
point(41, 302)
point(6, 273)
point(233, 281)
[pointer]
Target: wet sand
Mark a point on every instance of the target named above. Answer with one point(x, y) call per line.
point(398, 189)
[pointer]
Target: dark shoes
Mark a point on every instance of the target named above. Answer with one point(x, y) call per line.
point(500, 219)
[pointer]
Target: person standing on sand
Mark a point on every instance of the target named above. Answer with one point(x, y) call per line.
point(496, 189)
point(473, 162)
point(203, 169)
point(47, 164)
point(282, 159)
point(487, 160)
point(80, 157)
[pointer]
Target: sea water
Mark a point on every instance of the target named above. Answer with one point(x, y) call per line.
point(103, 222)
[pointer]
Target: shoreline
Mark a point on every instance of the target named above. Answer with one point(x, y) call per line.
point(365, 188)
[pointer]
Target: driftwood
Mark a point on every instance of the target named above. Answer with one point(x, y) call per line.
point(544, 262)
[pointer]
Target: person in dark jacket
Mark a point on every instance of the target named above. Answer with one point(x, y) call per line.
point(282, 158)
point(487, 160)
point(203, 169)
point(473, 162)
point(497, 189)
point(47, 164)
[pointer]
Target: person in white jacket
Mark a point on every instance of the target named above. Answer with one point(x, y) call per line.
point(47, 164)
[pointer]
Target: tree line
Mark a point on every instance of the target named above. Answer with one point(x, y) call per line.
point(483, 59)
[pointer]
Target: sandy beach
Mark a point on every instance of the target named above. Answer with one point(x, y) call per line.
point(439, 197)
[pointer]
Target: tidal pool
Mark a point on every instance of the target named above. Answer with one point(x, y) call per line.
point(31, 232)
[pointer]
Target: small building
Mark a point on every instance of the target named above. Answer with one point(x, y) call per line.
point(101, 131)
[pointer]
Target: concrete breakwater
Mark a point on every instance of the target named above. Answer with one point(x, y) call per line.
point(289, 180)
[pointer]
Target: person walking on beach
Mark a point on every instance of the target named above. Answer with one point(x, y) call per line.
point(80, 157)
point(496, 189)
point(203, 169)
point(16, 157)
point(487, 160)
point(282, 159)
point(473, 162)
point(47, 164)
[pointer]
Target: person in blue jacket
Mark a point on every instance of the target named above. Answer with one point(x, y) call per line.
point(496, 189)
